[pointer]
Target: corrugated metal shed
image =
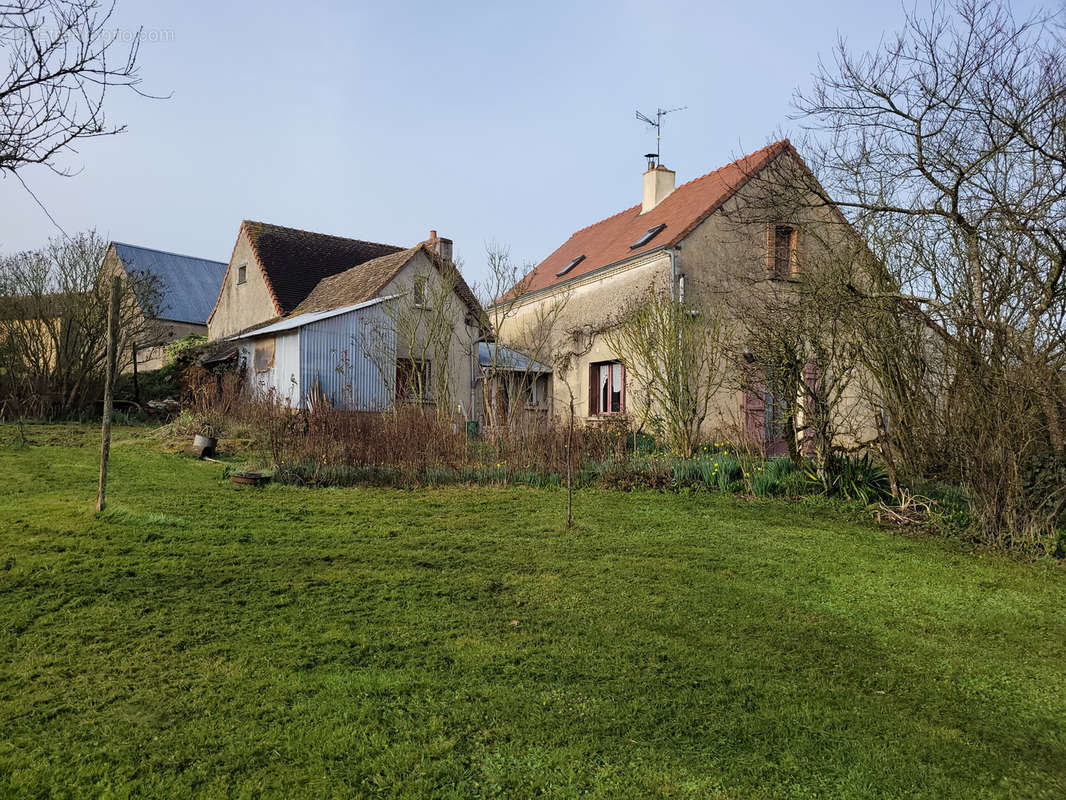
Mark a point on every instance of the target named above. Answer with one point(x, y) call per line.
point(346, 355)
point(491, 355)
point(350, 359)
point(282, 376)
point(189, 285)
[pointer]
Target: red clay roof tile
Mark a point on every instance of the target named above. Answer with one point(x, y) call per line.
point(609, 241)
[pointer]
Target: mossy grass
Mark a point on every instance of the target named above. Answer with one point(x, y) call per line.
point(204, 639)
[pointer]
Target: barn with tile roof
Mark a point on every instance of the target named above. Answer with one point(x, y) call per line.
point(325, 319)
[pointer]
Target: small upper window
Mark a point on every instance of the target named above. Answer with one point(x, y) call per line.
point(647, 237)
point(419, 293)
point(570, 266)
point(784, 250)
point(242, 274)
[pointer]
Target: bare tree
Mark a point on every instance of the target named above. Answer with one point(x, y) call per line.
point(674, 352)
point(802, 340)
point(54, 305)
point(947, 149)
point(508, 383)
point(62, 57)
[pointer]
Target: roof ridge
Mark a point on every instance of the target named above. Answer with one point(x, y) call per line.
point(410, 250)
point(168, 252)
point(319, 233)
point(681, 211)
point(781, 143)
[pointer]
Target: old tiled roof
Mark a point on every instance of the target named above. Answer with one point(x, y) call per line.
point(187, 286)
point(365, 281)
point(610, 240)
point(296, 261)
point(355, 285)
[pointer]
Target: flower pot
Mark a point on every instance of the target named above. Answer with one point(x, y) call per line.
point(205, 445)
point(249, 478)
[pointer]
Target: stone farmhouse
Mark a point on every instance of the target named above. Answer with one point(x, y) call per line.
point(693, 242)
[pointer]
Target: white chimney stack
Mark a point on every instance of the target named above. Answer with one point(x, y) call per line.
point(658, 183)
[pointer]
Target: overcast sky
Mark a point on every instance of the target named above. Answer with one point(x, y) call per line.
point(501, 121)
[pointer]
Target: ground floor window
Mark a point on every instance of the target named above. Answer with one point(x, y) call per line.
point(412, 379)
point(607, 387)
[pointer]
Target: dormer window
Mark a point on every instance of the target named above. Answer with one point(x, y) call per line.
point(570, 266)
point(242, 274)
point(647, 237)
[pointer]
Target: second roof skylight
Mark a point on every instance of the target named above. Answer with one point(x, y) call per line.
point(647, 237)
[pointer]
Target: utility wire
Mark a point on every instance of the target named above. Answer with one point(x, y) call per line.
point(38, 202)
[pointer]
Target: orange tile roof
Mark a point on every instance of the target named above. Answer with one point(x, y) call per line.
point(608, 241)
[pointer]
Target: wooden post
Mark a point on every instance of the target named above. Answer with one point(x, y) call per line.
point(570, 466)
point(136, 384)
point(109, 388)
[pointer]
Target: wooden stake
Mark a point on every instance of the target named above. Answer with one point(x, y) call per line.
point(570, 467)
point(109, 388)
point(136, 384)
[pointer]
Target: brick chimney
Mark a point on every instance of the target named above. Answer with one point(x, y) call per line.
point(441, 246)
point(658, 183)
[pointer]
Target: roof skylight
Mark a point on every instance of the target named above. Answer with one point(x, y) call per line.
point(570, 266)
point(647, 237)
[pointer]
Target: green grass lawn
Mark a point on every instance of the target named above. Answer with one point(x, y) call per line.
point(202, 638)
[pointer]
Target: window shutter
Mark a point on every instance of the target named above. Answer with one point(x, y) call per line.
point(770, 246)
point(623, 404)
point(794, 251)
point(812, 374)
point(594, 390)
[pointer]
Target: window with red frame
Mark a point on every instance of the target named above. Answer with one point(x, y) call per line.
point(784, 254)
point(607, 387)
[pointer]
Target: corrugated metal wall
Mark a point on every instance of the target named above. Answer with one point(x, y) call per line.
point(352, 357)
point(284, 374)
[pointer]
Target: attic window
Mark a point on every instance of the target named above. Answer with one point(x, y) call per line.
point(242, 273)
point(783, 254)
point(647, 237)
point(570, 266)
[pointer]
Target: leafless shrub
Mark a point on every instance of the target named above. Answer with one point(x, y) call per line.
point(53, 319)
point(675, 353)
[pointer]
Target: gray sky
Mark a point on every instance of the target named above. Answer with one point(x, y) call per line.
point(487, 121)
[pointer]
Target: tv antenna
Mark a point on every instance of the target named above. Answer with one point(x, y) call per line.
point(657, 123)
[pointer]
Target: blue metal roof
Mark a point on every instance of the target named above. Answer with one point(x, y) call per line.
point(189, 286)
point(506, 359)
